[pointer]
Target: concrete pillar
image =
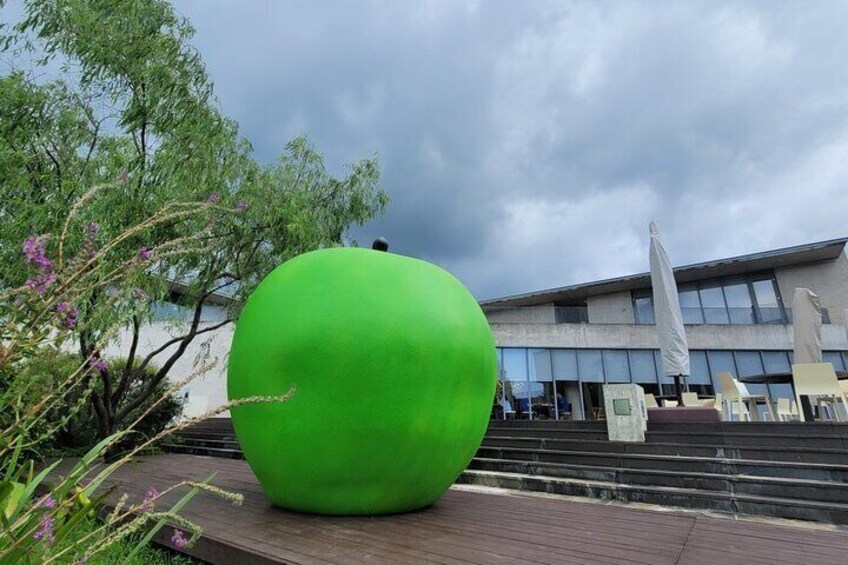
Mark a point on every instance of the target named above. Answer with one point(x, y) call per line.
point(627, 416)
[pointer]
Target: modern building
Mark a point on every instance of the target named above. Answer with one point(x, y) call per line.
point(557, 347)
point(571, 340)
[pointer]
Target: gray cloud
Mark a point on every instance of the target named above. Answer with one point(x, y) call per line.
point(528, 145)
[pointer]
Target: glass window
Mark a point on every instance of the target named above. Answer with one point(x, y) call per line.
point(715, 310)
point(540, 364)
point(660, 371)
point(845, 357)
point(699, 368)
point(720, 362)
point(690, 305)
point(768, 305)
point(835, 358)
point(565, 364)
point(590, 364)
point(776, 362)
point(642, 366)
point(515, 364)
point(644, 309)
point(749, 363)
point(739, 303)
point(616, 367)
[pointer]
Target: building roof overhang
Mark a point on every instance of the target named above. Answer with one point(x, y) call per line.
point(785, 257)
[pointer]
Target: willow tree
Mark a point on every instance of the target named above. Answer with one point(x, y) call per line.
point(133, 112)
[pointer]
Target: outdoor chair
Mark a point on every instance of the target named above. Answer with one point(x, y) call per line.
point(716, 403)
point(691, 399)
point(735, 395)
point(786, 410)
point(651, 401)
point(818, 381)
point(669, 403)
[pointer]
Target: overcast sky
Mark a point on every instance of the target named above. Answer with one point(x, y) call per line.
point(526, 145)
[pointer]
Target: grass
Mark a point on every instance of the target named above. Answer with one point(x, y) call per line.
point(117, 553)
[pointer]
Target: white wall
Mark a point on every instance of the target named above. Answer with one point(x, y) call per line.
point(207, 391)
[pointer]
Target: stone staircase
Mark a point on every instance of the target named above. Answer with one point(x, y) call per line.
point(785, 470)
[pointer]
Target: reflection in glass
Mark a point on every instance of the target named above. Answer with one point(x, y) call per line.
point(739, 303)
point(565, 364)
point(768, 306)
point(776, 362)
point(835, 358)
point(690, 306)
point(644, 308)
point(590, 364)
point(715, 310)
point(749, 363)
point(616, 367)
point(642, 366)
point(700, 371)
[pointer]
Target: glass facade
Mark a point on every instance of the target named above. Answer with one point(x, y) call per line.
point(567, 383)
point(750, 300)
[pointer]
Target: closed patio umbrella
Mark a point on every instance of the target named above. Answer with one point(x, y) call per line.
point(667, 315)
point(806, 326)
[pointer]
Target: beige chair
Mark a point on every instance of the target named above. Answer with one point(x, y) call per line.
point(717, 403)
point(733, 397)
point(691, 399)
point(669, 403)
point(650, 401)
point(787, 410)
point(818, 381)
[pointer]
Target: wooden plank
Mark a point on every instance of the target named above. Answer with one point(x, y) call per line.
point(465, 527)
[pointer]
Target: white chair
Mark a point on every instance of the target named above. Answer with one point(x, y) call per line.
point(668, 403)
point(786, 410)
point(733, 397)
point(691, 399)
point(650, 401)
point(818, 381)
point(717, 403)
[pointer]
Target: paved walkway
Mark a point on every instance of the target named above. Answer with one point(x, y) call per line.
point(468, 526)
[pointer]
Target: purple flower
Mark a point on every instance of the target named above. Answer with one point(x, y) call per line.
point(41, 283)
point(46, 501)
point(71, 318)
point(97, 363)
point(241, 205)
point(178, 539)
point(147, 503)
point(145, 253)
point(214, 198)
point(45, 530)
point(61, 307)
point(34, 251)
point(93, 228)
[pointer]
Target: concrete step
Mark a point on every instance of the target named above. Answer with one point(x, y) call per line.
point(190, 449)
point(795, 488)
point(828, 512)
point(791, 454)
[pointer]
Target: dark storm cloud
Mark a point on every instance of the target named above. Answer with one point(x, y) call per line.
point(528, 145)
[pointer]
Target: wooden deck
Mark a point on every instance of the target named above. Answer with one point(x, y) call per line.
point(470, 527)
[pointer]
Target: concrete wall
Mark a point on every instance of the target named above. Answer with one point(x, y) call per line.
point(620, 336)
point(827, 279)
point(542, 314)
point(616, 308)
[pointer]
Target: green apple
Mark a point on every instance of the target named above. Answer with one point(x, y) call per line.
point(395, 368)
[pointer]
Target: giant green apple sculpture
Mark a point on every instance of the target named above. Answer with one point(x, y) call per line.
point(395, 369)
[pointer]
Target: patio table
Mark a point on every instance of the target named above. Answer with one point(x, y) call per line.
point(784, 379)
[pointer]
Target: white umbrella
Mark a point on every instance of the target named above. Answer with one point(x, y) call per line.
point(669, 319)
point(806, 326)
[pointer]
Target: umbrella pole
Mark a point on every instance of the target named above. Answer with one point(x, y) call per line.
point(678, 389)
